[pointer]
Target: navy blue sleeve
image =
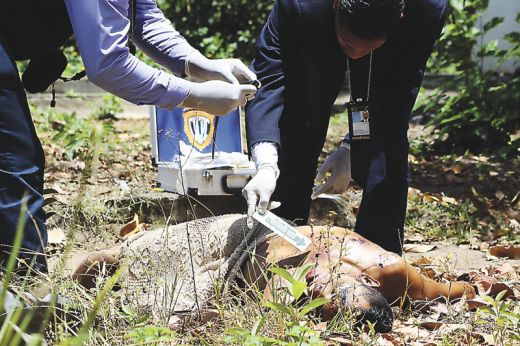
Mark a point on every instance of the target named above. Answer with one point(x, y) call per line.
point(264, 112)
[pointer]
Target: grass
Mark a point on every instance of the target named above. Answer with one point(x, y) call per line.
point(443, 221)
point(106, 319)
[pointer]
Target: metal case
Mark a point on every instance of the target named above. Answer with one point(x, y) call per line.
point(198, 153)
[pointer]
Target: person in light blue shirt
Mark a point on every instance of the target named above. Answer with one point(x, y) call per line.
point(109, 64)
point(35, 30)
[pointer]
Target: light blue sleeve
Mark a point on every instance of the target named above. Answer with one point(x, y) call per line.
point(100, 28)
point(157, 38)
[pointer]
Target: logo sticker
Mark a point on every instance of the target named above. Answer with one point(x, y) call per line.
point(199, 127)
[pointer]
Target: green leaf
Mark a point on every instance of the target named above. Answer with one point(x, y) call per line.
point(300, 273)
point(142, 319)
point(500, 295)
point(127, 309)
point(297, 288)
point(313, 304)
point(283, 273)
point(486, 309)
point(511, 315)
point(450, 120)
point(258, 325)
point(278, 307)
point(497, 88)
point(237, 331)
point(493, 23)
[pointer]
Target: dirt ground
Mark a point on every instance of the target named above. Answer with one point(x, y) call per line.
point(458, 206)
point(128, 171)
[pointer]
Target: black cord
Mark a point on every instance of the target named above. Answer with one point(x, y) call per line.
point(133, 15)
point(214, 138)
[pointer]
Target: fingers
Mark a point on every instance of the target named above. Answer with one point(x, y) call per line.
point(263, 203)
point(247, 90)
point(324, 188)
point(273, 205)
point(230, 77)
point(247, 93)
point(251, 198)
point(322, 172)
point(242, 72)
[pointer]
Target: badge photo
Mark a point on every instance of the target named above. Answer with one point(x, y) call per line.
point(359, 120)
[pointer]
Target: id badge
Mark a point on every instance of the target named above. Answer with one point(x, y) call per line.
point(359, 120)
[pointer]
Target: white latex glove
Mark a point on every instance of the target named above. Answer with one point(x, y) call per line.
point(259, 189)
point(217, 97)
point(338, 164)
point(229, 70)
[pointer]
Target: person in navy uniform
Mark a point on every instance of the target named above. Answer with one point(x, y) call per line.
point(302, 56)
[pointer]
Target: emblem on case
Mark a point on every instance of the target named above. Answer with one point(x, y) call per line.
point(199, 127)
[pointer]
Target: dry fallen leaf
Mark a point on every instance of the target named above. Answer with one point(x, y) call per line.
point(499, 287)
point(434, 197)
point(411, 332)
point(421, 261)
point(456, 168)
point(391, 338)
point(339, 338)
point(428, 197)
point(450, 200)
point(515, 202)
point(472, 338)
point(56, 236)
point(487, 285)
point(320, 327)
point(507, 272)
point(414, 192)
point(431, 325)
point(131, 228)
point(437, 310)
point(418, 248)
point(474, 304)
point(428, 272)
point(512, 252)
point(514, 223)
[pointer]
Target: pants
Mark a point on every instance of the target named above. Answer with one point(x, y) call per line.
point(380, 167)
point(22, 164)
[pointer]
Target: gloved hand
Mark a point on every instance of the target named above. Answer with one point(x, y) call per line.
point(217, 97)
point(338, 164)
point(261, 187)
point(229, 70)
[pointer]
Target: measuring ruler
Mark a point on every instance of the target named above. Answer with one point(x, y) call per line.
point(283, 229)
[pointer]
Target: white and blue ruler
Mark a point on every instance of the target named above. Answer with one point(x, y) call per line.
point(283, 229)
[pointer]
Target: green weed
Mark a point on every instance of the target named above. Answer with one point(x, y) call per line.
point(504, 316)
point(298, 326)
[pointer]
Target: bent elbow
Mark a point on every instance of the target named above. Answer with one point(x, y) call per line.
point(98, 75)
point(105, 70)
point(96, 78)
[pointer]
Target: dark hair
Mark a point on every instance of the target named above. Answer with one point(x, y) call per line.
point(379, 314)
point(370, 19)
